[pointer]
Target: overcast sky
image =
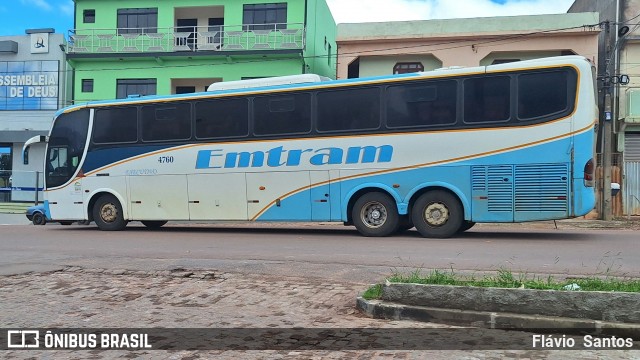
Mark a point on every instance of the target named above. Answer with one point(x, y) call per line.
point(18, 15)
point(345, 11)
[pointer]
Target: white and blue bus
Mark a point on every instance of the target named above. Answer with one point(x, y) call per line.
point(439, 150)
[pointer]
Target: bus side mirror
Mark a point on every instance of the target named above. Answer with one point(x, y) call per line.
point(28, 143)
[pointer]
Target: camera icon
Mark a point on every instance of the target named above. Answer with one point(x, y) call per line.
point(23, 339)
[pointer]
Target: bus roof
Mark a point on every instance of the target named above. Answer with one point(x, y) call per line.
point(264, 82)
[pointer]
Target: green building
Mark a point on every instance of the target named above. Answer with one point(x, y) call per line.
point(145, 47)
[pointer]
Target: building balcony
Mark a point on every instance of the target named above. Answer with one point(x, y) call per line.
point(227, 38)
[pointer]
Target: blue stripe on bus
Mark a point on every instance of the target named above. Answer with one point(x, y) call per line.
point(453, 176)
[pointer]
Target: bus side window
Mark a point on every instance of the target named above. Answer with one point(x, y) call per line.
point(221, 118)
point(115, 125)
point(542, 94)
point(487, 99)
point(166, 122)
point(350, 109)
point(282, 114)
point(424, 104)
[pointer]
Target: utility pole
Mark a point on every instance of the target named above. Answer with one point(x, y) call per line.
point(607, 153)
point(607, 149)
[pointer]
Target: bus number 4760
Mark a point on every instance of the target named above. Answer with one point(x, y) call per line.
point(165, 159)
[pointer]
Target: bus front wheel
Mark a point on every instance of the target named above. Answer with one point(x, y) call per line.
point(107, 214)
point(375, 214)
point(437, 214)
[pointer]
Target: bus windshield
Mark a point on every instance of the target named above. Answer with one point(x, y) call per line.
point(66, 145)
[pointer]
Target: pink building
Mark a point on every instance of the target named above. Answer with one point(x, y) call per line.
point(370, 49)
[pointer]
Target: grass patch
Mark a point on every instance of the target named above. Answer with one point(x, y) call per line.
point(374, 292)
point(506, 279)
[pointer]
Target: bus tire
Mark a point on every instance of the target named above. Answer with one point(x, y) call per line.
point(107, 214)
point(375, 214)
point(153, 224)
point(466, 225)
point(437, 214)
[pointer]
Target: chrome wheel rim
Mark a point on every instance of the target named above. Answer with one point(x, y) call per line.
point(373, 214)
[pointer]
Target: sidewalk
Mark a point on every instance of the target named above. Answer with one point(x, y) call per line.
point(98, 298)
point(629, 223)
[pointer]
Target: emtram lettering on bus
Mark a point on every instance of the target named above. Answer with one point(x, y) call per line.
point(278, 156)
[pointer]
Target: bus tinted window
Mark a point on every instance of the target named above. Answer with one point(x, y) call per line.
point(222, 118)
point(431, 103)
point(166, 122)
point(282, 114)
point(487, 99)
point(115, 125)
point(542, 94)
point(353, 109)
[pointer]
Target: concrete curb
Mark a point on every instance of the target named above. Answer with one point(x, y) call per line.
point(505, 309)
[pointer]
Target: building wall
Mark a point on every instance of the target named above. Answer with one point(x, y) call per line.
point(107, 10)
point(18, 119)
point(321, 49)
point(106, 69)
point(105, 72)
point(606, 10)
point(466, 42)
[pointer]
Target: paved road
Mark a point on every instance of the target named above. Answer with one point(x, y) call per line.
point(265, 276)
point(322, 251)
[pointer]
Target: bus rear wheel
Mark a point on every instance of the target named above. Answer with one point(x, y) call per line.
point(437, 214)
point(107, 214)
point(375, 214)
point(153, 224)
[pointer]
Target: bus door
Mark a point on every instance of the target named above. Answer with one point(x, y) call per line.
point(320, 196)
point(158, 197)
point(67, 202)
point(279, 196)
point(217, 196)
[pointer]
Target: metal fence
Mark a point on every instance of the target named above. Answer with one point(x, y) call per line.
point(21, 186)
point(243, 37)
point(631, 188)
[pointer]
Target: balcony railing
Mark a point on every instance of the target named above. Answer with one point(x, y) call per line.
point(187, 39)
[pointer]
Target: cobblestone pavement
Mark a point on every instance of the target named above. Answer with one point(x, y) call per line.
point(97, 298)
